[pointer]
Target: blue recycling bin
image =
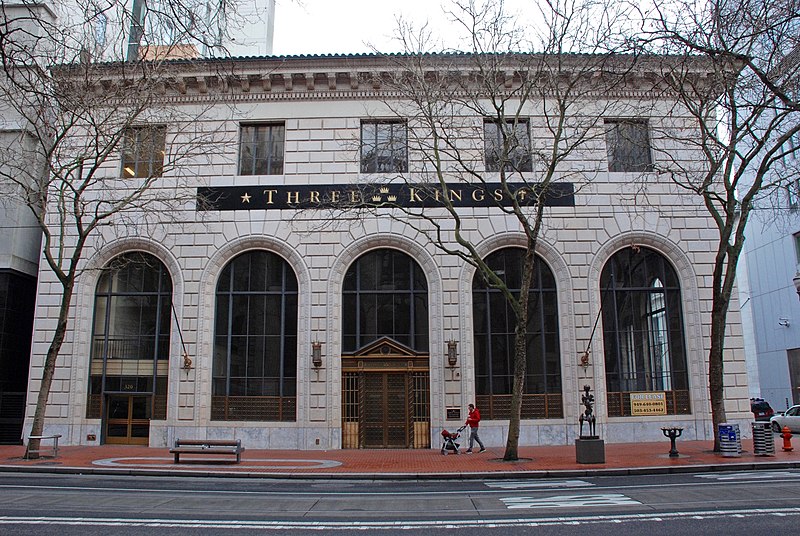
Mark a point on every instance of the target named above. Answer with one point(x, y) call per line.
point(730, 440)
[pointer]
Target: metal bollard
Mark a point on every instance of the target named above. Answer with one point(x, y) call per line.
point(672, 434)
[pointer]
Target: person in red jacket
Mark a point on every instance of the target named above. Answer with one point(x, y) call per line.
point(473, 421)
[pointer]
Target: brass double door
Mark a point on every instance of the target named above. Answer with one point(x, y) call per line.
point(385, 410)
point(385, 399)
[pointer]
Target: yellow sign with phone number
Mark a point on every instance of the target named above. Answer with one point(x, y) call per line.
point(649, 403)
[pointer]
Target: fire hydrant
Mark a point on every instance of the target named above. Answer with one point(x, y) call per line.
point(787, 439)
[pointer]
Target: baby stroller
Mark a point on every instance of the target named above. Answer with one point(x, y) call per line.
point(449, 440)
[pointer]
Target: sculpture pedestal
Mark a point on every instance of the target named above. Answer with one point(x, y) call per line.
point(590, 450)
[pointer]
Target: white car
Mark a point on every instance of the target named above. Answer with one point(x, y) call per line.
point(790, 418)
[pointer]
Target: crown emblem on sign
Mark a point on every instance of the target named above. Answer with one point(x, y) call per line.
point(384, 189)
point(392, 198)
point(376, 198)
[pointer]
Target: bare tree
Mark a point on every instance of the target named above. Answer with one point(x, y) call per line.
point(514, 118)
point(76, 118)
point(746, 114)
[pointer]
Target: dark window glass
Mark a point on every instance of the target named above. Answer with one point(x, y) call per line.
point(143, 150)
point(385, 294)
point(642, 324)
point(384, 147)
point(132, 322)
point(261, 149)
point(17, 300)
point(515, 138)
point(494, 322)
point(255, 351)
point(133, 309)
point(628, 146)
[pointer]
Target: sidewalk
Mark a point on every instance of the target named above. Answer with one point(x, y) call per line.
point(537, 462)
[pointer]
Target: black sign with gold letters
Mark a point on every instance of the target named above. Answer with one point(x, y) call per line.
point(331, 196)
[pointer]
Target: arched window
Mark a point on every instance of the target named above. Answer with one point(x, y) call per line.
point(130, 335)
point(494, 325)
point(385, 294)
point(255, 340)
point(643, 332)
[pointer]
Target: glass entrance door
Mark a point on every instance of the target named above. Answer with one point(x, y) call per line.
point(128, 419)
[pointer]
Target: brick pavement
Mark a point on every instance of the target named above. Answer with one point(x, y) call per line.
point(536, 462)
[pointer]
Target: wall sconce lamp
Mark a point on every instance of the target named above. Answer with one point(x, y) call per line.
point(316, 353)
point(783, 322)
point(585, 360)
point(187, 362)
point(452, 352)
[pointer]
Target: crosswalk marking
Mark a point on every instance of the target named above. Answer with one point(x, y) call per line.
point(570, 501)
point(532, 484)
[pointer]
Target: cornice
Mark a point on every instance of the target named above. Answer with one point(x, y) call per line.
point(370, 77)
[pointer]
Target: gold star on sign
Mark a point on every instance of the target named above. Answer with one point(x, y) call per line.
point(246, 198)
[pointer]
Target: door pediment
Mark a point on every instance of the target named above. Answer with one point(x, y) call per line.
point(386, 347)
point(385, 354)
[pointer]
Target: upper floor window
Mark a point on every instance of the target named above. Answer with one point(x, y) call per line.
point(261, 149)
point(384, 147)
point(628, 145)
point(797, 249)
point(793, 193)
point(100, 27)
point(794, 147)
point(143, 151)
point(515, 137)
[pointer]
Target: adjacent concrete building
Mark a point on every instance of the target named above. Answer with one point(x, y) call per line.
point(769, 297)
point(20, 236)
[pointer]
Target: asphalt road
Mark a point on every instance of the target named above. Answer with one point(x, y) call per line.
point(752, 503)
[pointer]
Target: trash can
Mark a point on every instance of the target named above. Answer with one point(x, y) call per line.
point(730, 440)
point(763, 439)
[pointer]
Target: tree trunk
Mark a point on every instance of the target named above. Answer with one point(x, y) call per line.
point(722, 289)
point(716, 369)
point(517, 390)
point(32, 450)
point(520, 355)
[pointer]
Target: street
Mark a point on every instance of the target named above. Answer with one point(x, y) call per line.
point(758, 502)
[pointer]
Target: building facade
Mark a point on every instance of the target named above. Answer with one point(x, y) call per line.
point(20, 235)
point(771, 261)
point(258, 310)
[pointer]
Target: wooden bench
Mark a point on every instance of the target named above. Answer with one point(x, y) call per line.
point(208, 446)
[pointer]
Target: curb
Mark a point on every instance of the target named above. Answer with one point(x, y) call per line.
point(599, 472)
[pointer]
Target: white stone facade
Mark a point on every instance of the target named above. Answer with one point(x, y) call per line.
point(321, 102)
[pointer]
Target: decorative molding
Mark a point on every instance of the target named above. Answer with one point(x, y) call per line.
point(228, 80)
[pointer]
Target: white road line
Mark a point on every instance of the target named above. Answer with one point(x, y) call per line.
point(529, 484)
point(750, 475)
point(351, 525)
point(570, 501)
